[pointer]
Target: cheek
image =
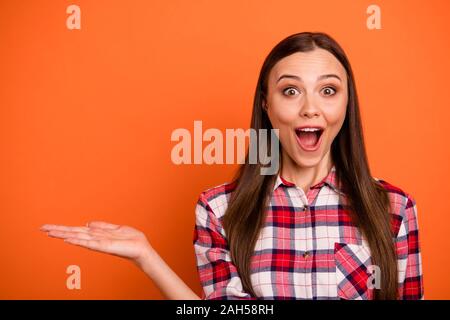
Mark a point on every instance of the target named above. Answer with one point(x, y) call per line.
point(282, 111)
point(282, 117)
point(282, 120)
point(335, 118)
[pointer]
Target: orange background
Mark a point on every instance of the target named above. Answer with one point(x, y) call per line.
point(87, 115)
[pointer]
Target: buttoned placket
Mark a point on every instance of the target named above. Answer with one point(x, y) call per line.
point(300, 201)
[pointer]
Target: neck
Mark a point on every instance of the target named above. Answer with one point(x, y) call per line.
point(305, 177)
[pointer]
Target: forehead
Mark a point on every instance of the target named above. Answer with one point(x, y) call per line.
point(308, 65)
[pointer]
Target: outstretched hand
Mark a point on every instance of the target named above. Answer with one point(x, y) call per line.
point(122, 241)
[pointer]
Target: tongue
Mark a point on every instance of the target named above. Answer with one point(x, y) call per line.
point(308, 139)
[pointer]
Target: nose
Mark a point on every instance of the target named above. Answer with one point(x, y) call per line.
point(309, 108)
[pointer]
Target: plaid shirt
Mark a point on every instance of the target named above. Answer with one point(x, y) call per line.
point(308, 247)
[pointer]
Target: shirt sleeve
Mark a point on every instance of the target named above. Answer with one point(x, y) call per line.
point(409, 255)
point(218, 275)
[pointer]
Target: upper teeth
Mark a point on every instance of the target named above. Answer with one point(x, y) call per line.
point(309, 129)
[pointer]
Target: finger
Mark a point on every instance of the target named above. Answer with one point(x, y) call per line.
point(102, 225)
point(48, 227)
point(106, 233)
point(90, 244)
point(68, 234)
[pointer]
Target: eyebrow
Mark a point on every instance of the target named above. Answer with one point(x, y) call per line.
point(324, 76)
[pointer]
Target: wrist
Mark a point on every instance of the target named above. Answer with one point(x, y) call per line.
point(146, 255)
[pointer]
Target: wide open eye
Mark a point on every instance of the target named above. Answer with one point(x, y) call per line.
point(290, 91)
point(329, 91)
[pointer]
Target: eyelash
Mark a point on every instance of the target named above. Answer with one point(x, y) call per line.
point(327, 87)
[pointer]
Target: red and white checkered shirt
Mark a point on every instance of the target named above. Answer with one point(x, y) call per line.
point(308, 247)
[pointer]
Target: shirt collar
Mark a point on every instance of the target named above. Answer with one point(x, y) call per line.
point(330, 180)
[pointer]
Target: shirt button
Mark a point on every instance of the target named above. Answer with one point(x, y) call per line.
point(305, 207)
point(306, 254)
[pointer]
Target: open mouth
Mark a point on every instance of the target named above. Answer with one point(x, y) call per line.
point(309, 138)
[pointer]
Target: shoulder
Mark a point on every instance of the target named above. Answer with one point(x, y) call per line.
point(398, 197)
point(215, 199)
point(403, 208)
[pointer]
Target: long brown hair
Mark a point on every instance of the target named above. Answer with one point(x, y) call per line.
point(368, 200)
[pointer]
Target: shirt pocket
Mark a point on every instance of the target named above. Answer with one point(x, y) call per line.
point(352, 271)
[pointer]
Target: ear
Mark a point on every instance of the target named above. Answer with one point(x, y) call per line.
point(264, 105)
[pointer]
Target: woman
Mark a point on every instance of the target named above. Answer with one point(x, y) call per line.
point(321, 228)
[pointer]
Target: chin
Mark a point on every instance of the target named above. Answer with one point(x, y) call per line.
point(308, 162)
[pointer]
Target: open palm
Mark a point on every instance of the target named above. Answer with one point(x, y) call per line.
point(122, 241)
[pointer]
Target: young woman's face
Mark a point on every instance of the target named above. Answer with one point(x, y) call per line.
point(307, 100)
